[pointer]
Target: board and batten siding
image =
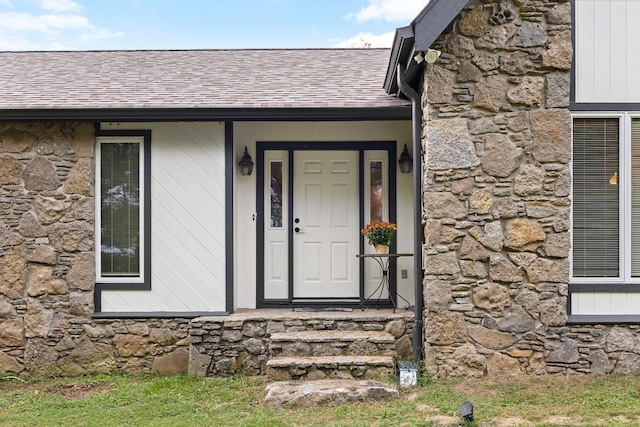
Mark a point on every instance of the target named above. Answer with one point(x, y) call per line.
point(607, 57)
point(187, 221)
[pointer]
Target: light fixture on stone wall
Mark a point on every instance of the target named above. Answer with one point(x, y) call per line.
point(406, 161)
point(246, 164)
point(432, 56)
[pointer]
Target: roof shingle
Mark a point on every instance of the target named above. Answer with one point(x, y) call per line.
point(210, 79)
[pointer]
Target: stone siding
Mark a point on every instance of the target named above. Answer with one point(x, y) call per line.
point(497, 143)
point(47, 265)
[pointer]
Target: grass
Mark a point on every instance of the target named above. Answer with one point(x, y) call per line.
point(126, 400)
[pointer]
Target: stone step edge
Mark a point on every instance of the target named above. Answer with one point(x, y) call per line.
point(376, 337)
point(318, 392)
point(310, 361)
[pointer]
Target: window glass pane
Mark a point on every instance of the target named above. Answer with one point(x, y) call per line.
point(120, 209)
point(635, 198)
point(596, 198)
point(375, 191)
point(276, 194)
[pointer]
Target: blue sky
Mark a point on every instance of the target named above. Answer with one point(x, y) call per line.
point(201, 24)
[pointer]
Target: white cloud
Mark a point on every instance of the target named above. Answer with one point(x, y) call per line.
point(367, 40)
point(389, 10)
point(62, 27)
point(26, 22)
point(60, 5)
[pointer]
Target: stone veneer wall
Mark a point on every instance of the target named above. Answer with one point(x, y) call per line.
point(47, 265)
point(497, 143)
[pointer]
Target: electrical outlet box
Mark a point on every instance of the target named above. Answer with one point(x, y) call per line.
point(405, 274)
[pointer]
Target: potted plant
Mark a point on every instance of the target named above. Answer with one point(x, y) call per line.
point(380, 234)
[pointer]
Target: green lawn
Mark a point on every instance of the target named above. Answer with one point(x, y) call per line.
point(123, 400)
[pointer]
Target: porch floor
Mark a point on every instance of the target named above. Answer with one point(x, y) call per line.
point(266, 314)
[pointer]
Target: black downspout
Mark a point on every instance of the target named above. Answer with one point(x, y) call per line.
point(416, 123)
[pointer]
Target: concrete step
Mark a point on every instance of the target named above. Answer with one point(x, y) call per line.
point(322, 367)
point(331, 392)
point(377, 337)
point(332, 343)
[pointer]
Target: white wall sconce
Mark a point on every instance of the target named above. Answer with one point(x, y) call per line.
point(430, 56)
point(246, 164)
point(405, 162)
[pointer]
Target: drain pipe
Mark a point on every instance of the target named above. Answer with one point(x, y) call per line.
point(416, 124)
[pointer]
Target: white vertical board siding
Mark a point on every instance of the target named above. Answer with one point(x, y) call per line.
point(594, 303)
point(187, 221)
point(607, 57)
point(247, 133)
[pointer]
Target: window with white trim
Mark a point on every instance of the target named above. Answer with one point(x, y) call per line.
point(606, 199)
point(120, 207)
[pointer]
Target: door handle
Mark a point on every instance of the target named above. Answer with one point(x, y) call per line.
point(298, 229)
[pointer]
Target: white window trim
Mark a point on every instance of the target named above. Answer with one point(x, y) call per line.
point(624, 174)
point(98, 258)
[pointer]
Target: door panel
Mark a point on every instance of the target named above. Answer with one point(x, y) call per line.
point(326, 236)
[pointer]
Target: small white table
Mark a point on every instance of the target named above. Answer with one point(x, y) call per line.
point(383, 261)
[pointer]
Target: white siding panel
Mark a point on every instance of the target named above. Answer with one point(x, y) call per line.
point(188, 225)
point(592, 303)
point(607, 56)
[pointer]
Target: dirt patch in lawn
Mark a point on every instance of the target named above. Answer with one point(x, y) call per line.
point(76, 390)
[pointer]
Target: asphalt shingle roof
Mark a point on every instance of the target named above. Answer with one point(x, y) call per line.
point(235, 79)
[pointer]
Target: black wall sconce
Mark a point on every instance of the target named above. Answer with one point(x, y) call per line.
point(405, 162)
point(246, 164)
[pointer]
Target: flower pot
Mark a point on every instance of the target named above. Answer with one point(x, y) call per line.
point(382, 249)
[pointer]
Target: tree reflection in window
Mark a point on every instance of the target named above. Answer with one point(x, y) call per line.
point(376, 194)
point(120, 209)
point(276, 194)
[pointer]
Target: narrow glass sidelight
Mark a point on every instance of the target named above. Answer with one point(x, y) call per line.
point(120, 209)
point(276, 194)
point(376, 191)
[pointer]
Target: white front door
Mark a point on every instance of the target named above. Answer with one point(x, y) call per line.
point(325, 224)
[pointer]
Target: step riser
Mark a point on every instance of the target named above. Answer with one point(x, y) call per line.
point(360, 347)
point(318, 372)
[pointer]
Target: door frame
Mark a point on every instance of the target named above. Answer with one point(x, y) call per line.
point(290, 147)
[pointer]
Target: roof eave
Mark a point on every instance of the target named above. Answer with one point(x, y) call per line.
point(402, 112)
point(432, 21)
point(402, 46)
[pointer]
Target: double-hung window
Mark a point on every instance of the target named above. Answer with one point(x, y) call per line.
point(606, 214)
point(120, 210)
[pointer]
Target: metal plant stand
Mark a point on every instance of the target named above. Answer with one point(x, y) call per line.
point(383, 261)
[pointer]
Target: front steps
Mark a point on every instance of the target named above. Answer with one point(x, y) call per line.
point(246, 341)
point(312, 357)
point(331, 354)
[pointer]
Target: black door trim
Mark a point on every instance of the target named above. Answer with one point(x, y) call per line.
point(290, 147)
